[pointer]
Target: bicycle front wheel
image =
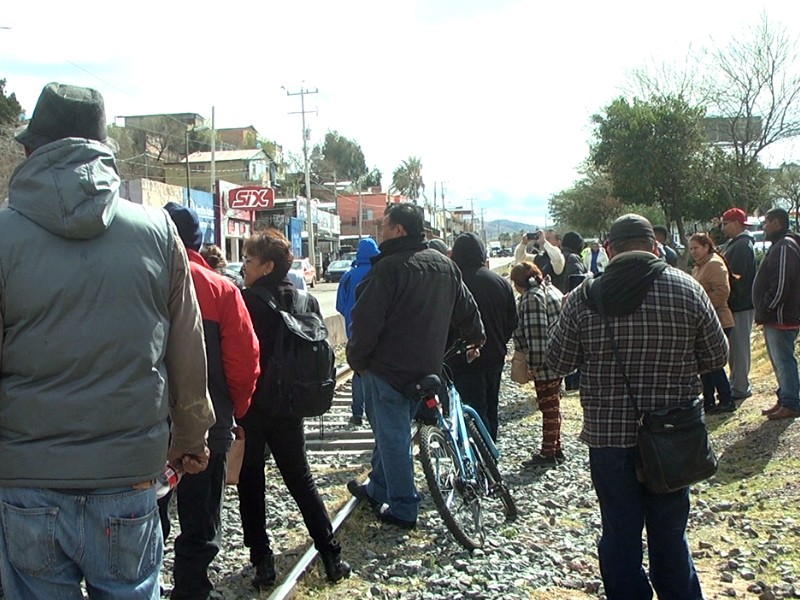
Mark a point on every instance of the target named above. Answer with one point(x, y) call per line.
point(455, 499)
point(496, 488)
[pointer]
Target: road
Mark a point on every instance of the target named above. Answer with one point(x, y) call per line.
point(325, 293)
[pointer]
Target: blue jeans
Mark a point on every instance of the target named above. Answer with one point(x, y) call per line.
point(780, 348)
point(391, 480)
point(358, 395)
point(52, 539)
point(625, 507)
point(714, 382)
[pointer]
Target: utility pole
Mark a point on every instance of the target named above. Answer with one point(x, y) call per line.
point(472, 214)
point(188, 178)
point(309, 221)
point(213, 154)
point(444, 213)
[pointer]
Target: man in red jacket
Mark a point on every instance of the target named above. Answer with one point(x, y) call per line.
point(232, 351)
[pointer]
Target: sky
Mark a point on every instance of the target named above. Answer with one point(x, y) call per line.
point(494, 96)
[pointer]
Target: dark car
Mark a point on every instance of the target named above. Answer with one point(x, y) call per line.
point(336, 269)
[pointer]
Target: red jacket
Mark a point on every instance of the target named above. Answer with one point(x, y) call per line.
point(231, 348)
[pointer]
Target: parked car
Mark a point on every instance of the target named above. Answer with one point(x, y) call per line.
point(760, 241)
point(303, 267)
point(234, 268)
point(336, 269)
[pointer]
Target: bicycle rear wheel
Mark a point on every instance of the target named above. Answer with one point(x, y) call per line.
point(496, 487)
point(457, 502)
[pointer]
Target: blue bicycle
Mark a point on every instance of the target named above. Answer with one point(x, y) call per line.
point(459, 460)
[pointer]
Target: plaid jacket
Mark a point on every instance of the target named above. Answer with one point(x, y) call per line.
point(670, 338)
point(537, 310)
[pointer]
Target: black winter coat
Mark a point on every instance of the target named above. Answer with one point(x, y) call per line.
point(495, 299)
point(403, 311)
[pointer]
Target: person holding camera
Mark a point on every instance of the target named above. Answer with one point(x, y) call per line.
point(547, 252)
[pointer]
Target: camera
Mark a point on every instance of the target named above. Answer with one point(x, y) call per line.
point(533, 235)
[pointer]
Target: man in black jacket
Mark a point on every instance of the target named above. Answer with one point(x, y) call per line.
point(776, 295)
point(742, 262)
point(404, 308)
point(479, 381)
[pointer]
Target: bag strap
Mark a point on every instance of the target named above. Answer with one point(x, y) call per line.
point(267, 297)
point(594, 292)
point(299, 306)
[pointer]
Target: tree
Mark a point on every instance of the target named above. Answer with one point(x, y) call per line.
point(757, 91)
point(651, 152)
point(588, 206)
point(787, 186)
point(338, 156)
point(11, 112)
point(407, 179)
point(751, 89)
point(11, 153)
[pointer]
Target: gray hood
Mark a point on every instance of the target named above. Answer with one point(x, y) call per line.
point(69, 187)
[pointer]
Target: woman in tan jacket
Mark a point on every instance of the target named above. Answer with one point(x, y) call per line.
point(711, 272)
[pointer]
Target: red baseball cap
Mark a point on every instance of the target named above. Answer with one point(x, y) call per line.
point(736, 214)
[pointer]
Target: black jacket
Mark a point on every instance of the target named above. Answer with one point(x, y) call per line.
point(573, 265)
point(404, 308)
point(494, 297)
point(776, 289)
point(742, 262)
point(266, 321)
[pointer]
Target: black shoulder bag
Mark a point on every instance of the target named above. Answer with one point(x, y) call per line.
point(673, 446)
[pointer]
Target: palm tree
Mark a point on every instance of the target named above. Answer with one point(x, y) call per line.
point(407, 179)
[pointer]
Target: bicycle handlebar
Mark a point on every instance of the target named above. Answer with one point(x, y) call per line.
point(459, 347)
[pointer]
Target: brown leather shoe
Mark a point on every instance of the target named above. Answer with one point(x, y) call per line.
point(783, 413)
point(771, 409)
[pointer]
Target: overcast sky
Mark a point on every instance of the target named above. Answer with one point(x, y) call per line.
point(495, 96)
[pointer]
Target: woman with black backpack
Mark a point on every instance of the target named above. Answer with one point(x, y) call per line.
point(267, 260)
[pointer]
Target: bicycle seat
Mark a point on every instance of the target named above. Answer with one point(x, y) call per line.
point(425, 387)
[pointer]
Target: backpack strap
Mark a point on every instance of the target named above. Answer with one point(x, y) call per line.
point(267, 297)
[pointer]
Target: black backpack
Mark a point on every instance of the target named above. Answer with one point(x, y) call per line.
point(301, 375)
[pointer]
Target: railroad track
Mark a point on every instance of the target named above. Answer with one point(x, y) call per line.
point(332, 433)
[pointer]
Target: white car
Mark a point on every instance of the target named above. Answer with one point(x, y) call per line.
point(761, 242)
point(302, 266)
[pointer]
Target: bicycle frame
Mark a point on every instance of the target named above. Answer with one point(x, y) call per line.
point(456, 428)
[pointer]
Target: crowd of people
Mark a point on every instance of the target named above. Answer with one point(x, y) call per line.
point(124, 346)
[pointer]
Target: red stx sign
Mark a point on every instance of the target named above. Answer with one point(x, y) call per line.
point(251, 198)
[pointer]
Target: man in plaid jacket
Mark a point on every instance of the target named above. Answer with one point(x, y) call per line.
point(667, 332)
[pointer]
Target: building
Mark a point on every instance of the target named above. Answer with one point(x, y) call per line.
point(240, 167)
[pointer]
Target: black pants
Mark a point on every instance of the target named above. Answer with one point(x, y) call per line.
point(199, 514)
point(286, 440)
point(480, 388)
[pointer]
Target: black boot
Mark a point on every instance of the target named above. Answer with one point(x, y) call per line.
point(335, 567)
point(265, 572)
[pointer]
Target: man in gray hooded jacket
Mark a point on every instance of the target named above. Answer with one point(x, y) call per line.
point(100, 341)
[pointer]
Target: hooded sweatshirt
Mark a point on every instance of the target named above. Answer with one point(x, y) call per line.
point(346, 293)
point(494, 296)
point(95, 301)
